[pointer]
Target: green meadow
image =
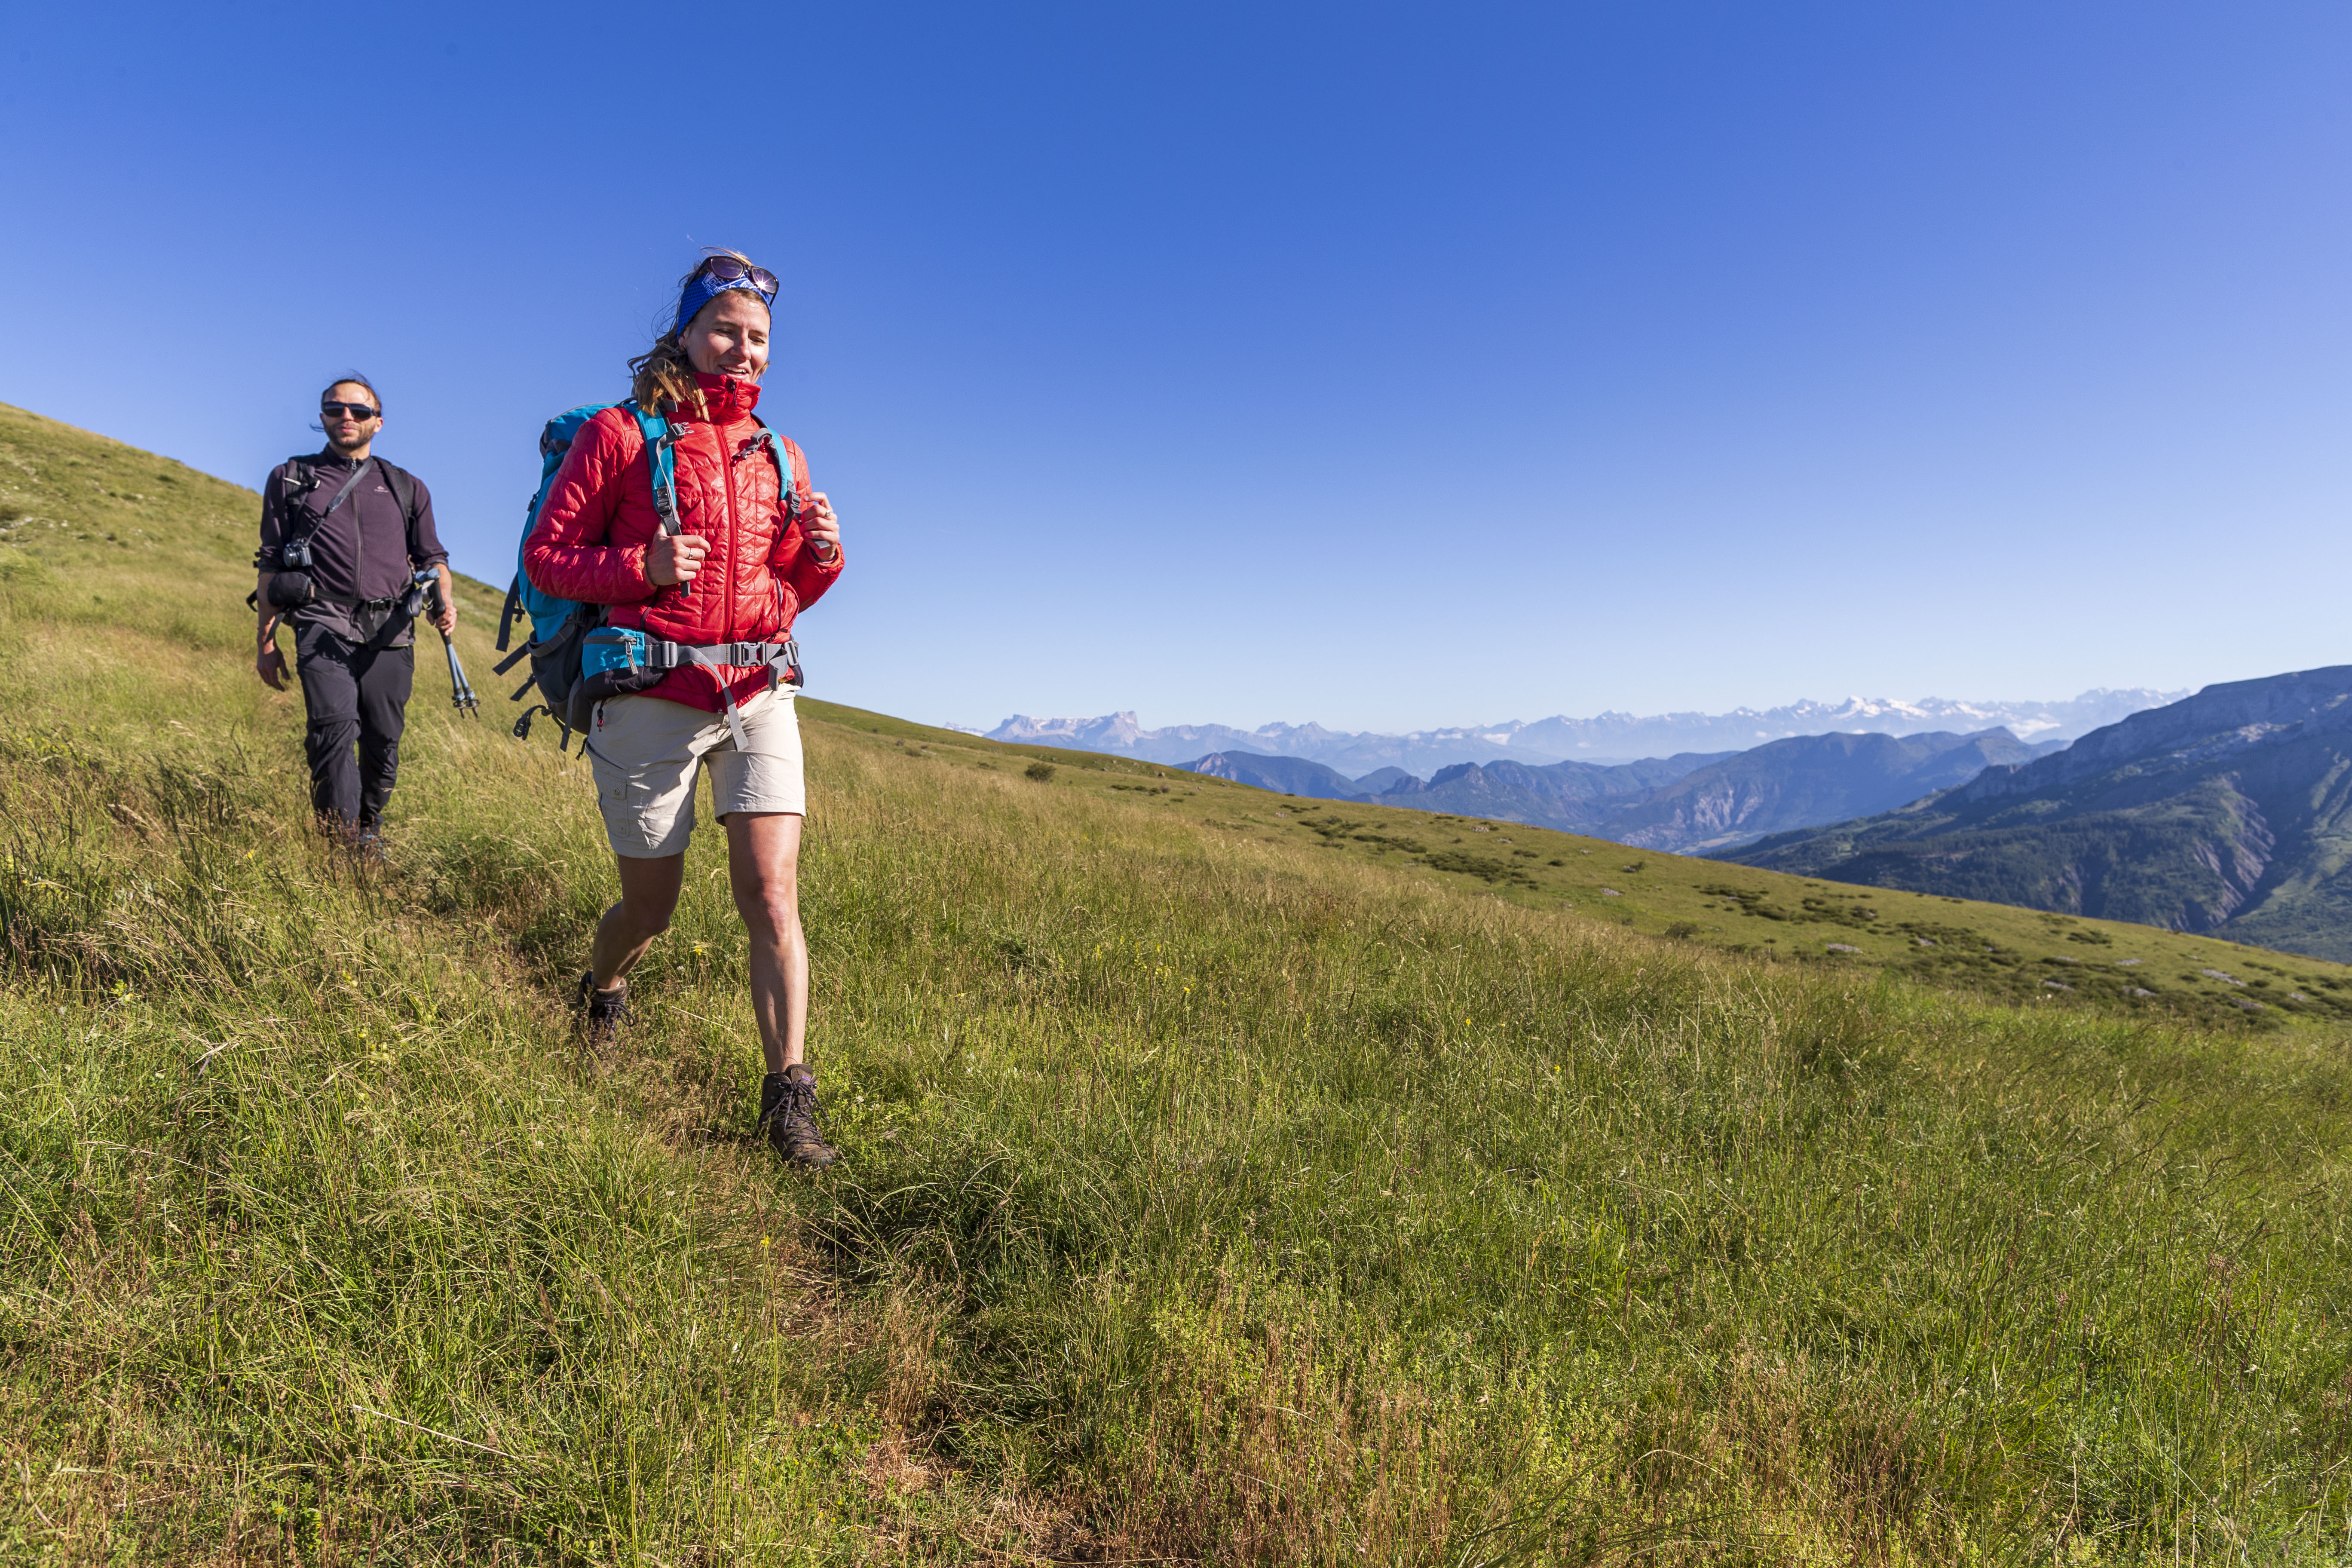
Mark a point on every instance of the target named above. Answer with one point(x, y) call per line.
point(1226, 1178)
point(2025, 956)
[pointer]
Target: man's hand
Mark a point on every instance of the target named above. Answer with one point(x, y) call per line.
point(824, 529)
point(445, 613)
point(675, 559)
point(269, 663)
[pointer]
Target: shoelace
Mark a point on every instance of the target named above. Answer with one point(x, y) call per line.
point(797, 1104)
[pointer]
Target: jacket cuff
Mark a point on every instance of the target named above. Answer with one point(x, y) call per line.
point(633, 562)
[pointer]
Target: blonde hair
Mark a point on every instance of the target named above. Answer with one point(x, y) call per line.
point(663, 374)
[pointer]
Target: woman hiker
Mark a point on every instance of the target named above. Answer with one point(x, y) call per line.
point(753, 546)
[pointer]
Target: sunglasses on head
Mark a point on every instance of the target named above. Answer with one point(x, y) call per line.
point(727, 270)
point(356, 410)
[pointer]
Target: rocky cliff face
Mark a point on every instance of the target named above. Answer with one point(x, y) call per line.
point(2239, 861)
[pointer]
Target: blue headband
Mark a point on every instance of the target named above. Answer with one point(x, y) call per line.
point(701, 290)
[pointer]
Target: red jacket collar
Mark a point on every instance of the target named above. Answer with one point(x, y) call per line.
point(725, 398)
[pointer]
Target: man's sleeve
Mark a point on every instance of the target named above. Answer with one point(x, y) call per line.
point(423, 541)
point(273, 520)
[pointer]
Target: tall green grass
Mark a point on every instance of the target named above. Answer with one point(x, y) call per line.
point(1202, 1200)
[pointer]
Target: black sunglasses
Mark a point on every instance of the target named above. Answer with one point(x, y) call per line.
point(727, 270)
point(356, 410)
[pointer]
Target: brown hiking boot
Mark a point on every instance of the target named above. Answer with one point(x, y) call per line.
point(788, 1118)
point(602, 1013)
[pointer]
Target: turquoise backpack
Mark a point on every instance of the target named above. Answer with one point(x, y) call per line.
point(573, 663)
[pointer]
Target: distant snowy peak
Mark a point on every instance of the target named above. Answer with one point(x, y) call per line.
point(1111, 733)
point(1604, 737)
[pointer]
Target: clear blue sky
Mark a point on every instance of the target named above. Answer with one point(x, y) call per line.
point(1386, 366)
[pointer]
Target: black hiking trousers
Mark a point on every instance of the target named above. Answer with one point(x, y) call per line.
point(354, 694)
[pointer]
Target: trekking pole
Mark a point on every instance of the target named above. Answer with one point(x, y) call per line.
point(461, 690)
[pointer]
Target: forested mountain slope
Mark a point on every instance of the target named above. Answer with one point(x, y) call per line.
point(2229, 812)
point(1805, 781)
point(1573, 797)
point(1687, 804)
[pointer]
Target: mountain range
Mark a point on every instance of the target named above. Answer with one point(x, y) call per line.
point(2229, 813)
point(1604, 739)
point(1689, 803)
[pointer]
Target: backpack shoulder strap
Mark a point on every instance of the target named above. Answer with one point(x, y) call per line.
point(780, 450)
point(403, 489)
point(661, 463)
point(507, 613)
point(296, 479)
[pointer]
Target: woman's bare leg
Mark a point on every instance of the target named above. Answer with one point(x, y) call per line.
point(649, 890)
point(763, 854)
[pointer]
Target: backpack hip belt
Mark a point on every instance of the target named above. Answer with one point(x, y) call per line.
point(622, 659)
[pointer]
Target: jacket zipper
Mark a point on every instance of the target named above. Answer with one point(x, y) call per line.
point(733, 534)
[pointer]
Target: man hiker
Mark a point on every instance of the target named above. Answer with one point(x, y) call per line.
point(345, 537)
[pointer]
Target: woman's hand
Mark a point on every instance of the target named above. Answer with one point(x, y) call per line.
point(675, 559)
point(824, 529)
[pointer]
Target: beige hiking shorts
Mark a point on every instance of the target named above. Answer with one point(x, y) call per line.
point(645, 751)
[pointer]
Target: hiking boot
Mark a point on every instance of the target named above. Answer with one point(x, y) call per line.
point(788, 1118)
point(602, 1013)
point(361, 839)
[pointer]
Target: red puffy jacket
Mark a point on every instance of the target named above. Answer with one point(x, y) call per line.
point(592, 536)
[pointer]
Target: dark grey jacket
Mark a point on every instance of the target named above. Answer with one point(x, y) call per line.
point(364, 554)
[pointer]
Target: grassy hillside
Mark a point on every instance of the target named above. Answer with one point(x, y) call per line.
point(2021, 955)
point(1218, 1185)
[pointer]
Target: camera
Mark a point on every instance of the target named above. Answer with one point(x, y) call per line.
point(294, 555)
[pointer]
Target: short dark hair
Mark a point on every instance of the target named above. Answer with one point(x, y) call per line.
point(354, 379)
